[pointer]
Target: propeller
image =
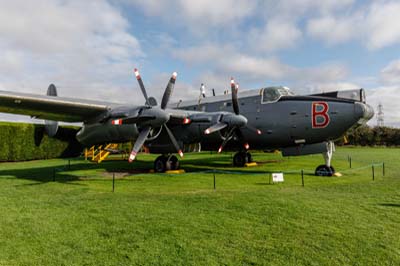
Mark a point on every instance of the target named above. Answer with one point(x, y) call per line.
point(151, 117)
point(234, 121)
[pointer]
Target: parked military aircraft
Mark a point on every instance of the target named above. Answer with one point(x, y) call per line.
point(268, 118)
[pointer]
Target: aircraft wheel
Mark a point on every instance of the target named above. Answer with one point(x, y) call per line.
point(324, 170)
point(160, 164)
point(240, 159)
point(172, 163)
point(333, 170)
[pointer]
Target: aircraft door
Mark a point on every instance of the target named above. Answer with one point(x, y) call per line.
point(299, 123)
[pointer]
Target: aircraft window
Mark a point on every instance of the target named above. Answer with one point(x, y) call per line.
point(273, 94)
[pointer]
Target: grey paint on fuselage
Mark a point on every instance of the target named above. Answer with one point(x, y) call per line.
point(284, 122)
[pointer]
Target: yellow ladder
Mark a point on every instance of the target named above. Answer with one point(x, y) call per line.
point(89, 153)
point(102, 153)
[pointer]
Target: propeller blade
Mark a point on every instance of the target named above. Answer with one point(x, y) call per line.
point(173, 140)
point(228, 137)
point(235, 103)
point(139, 143)
point(214, 128)
point(139, 79)
point(168, 91)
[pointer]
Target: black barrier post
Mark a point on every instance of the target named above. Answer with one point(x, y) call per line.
point(302, 177)
point(373, 173)
point(113, 181)
point(350, 161)
point(214, 181)
point(54, 175)
point(383, 168)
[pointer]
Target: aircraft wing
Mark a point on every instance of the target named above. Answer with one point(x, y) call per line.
point(51, 108)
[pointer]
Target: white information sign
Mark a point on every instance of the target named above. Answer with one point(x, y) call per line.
point(277, 177)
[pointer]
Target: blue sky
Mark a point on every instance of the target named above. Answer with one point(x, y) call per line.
point(89, 48)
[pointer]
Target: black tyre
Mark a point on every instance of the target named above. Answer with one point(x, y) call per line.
point(240, 159)
point(172, 163)
point(333, 170)
point(160, 164)
point(324, 170)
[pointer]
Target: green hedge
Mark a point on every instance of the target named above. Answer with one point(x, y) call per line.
point(21, 142)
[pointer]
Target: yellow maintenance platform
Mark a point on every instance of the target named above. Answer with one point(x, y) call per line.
point(101, 152)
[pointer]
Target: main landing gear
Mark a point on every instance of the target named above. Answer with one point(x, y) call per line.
point(241, 158)
point(165, 163)
point(327, 169)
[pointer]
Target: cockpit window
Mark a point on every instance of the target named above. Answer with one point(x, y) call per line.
point(273, 94)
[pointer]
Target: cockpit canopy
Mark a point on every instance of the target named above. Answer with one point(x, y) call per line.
point(273, 94)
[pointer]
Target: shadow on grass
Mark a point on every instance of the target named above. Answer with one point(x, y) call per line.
point(396, 205)
point(224, 163)
point(64, 173)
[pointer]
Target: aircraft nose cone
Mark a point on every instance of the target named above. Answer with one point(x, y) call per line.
point(365, 112)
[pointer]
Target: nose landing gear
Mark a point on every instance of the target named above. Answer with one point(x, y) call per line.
point(327, 169)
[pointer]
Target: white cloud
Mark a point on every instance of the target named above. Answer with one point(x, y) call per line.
point(203, 53)
point(300, 7)
point(250, 71)
point(198, 14)
point(334, 30)
point(216, 12)
point(277, 34)
point(389, 97)
point(376, 26)
point(81, 46)
point(391, 73)
point(383, 24)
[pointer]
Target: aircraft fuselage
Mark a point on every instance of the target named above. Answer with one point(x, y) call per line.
point(288, 121)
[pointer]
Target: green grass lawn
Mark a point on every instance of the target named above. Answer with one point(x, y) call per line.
point(163, 219)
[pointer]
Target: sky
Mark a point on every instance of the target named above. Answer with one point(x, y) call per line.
point(89, 49)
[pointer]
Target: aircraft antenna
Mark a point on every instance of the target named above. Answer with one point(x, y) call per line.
point(380, 116)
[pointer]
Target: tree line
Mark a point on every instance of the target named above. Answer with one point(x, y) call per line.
point(372, 136)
